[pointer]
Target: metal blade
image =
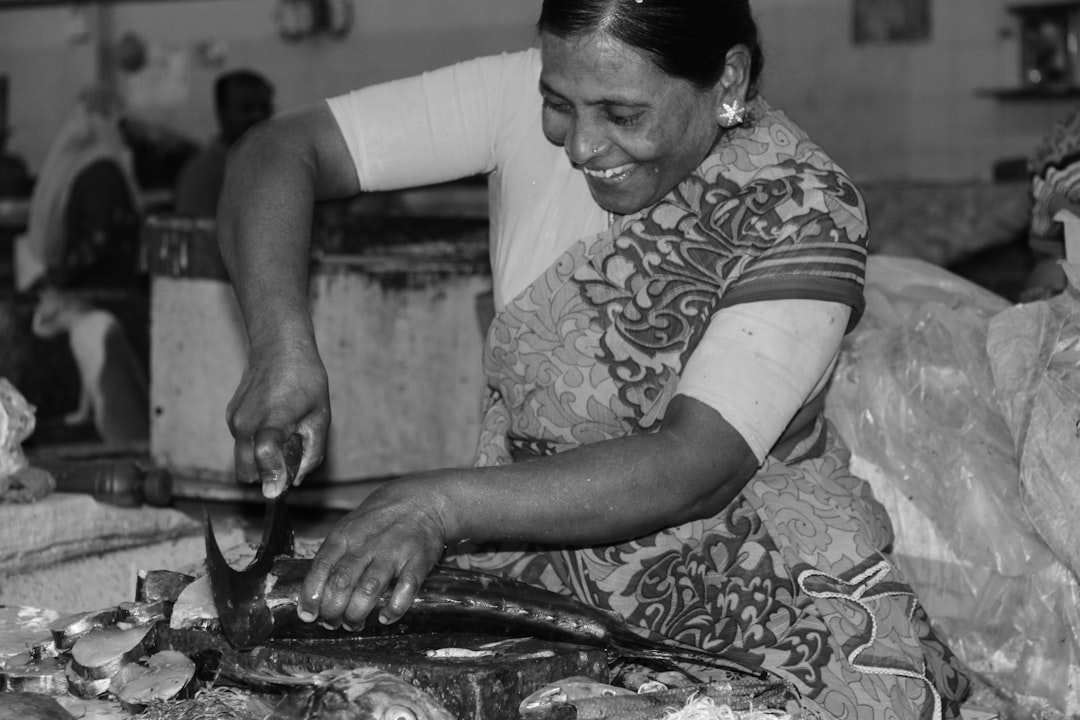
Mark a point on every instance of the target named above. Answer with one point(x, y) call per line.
point(240, 595)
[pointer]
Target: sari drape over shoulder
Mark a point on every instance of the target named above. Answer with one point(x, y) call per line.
point(794, 570)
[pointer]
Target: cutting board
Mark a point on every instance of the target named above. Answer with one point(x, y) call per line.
point(489, 686)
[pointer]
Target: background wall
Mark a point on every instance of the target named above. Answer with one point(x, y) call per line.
point(905, 110)
point(885, 112)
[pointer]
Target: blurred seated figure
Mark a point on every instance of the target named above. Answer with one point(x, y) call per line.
point(1054, 167)
point(83, 223)
point(81, 242)
point(158, 152)
point(15, 180)
point(242, 98)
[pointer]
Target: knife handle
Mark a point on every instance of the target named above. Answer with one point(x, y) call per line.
point(117, 482)
point(293, 452)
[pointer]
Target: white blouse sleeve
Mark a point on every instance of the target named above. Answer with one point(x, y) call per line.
point(759, 362)
point(435, 127)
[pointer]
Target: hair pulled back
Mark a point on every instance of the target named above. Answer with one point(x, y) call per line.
point(225, 83)
point(687, 39)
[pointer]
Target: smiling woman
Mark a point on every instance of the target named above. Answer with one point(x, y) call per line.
point(634, 131)
point(675, 265)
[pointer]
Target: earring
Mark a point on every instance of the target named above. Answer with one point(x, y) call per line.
point(732, 114)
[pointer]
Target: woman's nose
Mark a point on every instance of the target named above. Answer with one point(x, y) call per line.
point(584, 142)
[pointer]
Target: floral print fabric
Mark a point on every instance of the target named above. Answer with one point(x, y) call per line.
point(794, 570)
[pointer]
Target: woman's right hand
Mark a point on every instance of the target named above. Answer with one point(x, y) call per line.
point(284, 390)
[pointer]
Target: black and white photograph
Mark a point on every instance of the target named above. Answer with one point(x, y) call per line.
point(539, 359)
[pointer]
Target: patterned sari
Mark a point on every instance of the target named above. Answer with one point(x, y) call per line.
point(794, 570)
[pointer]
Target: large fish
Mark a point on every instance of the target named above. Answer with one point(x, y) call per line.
point(470, 601)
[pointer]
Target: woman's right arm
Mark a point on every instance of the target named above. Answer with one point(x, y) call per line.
point(426, 129)
point(273, 177)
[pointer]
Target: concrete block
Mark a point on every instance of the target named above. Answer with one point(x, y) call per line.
point(397, 329)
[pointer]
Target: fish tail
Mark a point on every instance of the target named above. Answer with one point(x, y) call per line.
point(731, 659)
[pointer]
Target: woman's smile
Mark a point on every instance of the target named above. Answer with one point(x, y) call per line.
point(613, 175)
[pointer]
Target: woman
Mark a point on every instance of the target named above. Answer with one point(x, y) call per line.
point(675, 265)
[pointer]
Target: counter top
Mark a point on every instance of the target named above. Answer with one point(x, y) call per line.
point(380, 246)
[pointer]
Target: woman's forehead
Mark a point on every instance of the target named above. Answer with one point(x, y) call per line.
point(594, 45)
point(594, 62)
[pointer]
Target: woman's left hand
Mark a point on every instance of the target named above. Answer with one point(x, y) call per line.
point(389, 543)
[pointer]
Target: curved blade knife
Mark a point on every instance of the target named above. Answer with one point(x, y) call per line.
point(240, 595)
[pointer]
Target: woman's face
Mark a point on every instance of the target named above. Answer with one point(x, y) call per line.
point(633, 130)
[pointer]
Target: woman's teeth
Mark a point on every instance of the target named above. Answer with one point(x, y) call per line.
point(611, 173)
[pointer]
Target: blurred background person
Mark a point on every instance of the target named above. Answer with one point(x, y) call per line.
point(242, 98)
point(81, 248)
point(1054, 168)
point(83, 221)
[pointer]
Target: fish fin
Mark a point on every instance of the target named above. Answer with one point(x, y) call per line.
point(643, 649)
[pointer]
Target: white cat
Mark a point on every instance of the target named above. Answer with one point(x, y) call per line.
point(113, 392)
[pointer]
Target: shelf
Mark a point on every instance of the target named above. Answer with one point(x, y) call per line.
point(1071, 92)
point(23, 4)
point(1043, 7)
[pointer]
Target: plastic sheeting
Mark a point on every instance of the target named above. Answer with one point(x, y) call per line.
point(1035, 357)
point(16, 424)
point(962, 411)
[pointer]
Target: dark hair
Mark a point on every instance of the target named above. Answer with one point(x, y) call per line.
point(226, 81)
point(687, 39)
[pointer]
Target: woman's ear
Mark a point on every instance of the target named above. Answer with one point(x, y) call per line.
point(733, 86)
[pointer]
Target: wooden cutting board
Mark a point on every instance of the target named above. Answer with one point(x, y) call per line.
point(489, 686)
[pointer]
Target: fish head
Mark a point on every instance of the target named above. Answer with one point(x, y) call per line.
point(398, 712)
point(395, 712)
point(377, 705)
point(374, 694)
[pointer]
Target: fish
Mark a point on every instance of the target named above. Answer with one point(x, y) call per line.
point(361, 693)
point(695, 702)
point(29, 706)
point(540, 702)
point(473, 601)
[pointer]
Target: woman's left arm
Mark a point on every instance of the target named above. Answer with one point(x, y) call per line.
point(609, 491)
point(604, 492)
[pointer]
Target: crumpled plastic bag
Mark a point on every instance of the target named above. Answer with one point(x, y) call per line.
point(1035, 355)
point(19, 483)
point(16, 425)
point(946, 415)
point(914, 395)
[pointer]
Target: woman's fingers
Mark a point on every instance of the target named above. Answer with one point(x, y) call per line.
point(313, 587)
point(270, 461)
point(282, 392)
point(354, 587)
point(343, 588)
point(367, 591)
point(375, 558)
point(405, 591)
point(244, 461)
point(343, 592)
point(313, 429)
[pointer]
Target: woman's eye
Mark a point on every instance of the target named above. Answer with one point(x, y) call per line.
point(556, 106)
point(624, 120)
